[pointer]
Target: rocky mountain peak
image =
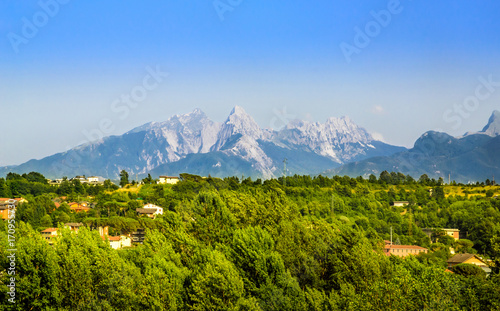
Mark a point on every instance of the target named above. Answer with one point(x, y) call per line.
point(194, 138)
point(493, 126)
point(238, 122)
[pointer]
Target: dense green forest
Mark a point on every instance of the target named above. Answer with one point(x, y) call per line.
point(300, 243)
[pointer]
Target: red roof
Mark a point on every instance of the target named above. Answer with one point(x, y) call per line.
point(50, 230)
point(405, 246)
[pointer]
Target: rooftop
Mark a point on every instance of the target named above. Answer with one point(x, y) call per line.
point(111, 238)
point(459, 258)
point(50, 230)
point(74, 224)
point(405, 246)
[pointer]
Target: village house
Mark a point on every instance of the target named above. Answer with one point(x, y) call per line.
point(138, 236)
point(74, 226)
point(49, 233)
point(93, 179)
point(401, 203)
point(55, 182)
point(5, 207)
point(79, 206)
point(150, 210)
point(81, 178)
point(171, 180)
point(454, 233)
point(468, 259)
point(4, 211)
point(18, 200)
point(5, 203)
point(118, 242)
point(103, 230)
point(403, 250)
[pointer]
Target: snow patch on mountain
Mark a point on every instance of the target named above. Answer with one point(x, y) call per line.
point(313, 145)
point(330, 139)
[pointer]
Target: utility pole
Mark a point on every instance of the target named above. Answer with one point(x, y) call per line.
point(284, 171)
point(391, 235)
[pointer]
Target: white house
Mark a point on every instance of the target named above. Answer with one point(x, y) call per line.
point(118, 242)
point(150, 210)
point(401, 203)
point(93, 179)
point(171, 180)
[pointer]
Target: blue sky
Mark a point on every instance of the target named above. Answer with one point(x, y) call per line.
point(418, 70)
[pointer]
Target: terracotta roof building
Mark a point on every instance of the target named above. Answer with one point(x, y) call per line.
point(454, 233)
point(79, 207)
point(150, 210)
point(468, 259)
point(403, 250)
point(49, 233)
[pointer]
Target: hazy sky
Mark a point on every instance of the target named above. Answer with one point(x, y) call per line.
point(397, 68)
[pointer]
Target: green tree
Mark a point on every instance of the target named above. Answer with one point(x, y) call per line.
point(469, 270)
point(217, 286)
point(464, 246)
point(63, 218)
point(46, 222)
point(424, 180)
point(385, 177)
point(4, 189)
point(35, 177)
point(123, 178)
point(148, 180)
point(14, 176)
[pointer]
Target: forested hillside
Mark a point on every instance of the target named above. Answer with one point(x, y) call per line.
point(304, 243)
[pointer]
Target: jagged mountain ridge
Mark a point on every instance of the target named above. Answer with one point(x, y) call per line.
point(192, 142)
point(470, 158)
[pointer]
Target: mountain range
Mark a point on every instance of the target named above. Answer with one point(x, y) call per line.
point(192, 143)
point(470, 158)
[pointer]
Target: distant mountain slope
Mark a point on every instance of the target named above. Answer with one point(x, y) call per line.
point(193, 143)
point(470, 158)
point(493, 126)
